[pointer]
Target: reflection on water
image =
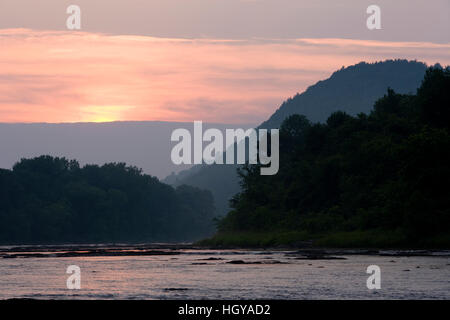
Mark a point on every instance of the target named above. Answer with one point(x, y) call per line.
point(208, 274)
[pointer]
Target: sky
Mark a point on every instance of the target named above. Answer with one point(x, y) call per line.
point(227, 61)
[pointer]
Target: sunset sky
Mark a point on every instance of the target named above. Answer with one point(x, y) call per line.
point(166, 60)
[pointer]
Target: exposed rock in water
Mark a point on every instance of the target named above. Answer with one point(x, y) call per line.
point(176, 289)
point(255, 262)
point(237, 262)
point(319, 257)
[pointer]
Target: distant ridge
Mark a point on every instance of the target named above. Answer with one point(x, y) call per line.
point(353, 89)
point(144, 144)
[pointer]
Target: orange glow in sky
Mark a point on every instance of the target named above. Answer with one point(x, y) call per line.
point(58, 76)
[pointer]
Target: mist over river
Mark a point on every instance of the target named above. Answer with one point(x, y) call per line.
point(142, 272)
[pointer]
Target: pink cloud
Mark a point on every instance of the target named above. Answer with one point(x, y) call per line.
point(57, 76)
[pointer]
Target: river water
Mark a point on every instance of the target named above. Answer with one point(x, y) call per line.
point(208, 274)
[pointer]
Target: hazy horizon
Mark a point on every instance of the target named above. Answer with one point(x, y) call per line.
point(144, 144)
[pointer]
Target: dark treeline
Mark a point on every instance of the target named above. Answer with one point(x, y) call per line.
point(368, 180)
point(53, 200)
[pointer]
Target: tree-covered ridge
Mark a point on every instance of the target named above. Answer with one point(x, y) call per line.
point(53, 200)
point(353, 89)
point(380, 179)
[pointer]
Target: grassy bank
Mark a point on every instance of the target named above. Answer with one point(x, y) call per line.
point(354, 239)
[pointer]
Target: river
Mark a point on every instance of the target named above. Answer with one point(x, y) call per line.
point(189, 273)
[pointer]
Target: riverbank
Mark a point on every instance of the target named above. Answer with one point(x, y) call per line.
point(356, 239)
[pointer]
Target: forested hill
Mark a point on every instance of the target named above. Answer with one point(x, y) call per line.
point(53, 200)
point(369, 180)
point(353, 89)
